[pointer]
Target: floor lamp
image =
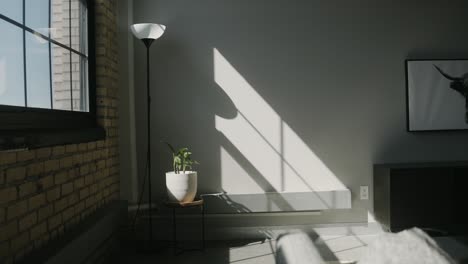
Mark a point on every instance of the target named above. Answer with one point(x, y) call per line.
point(147, 33)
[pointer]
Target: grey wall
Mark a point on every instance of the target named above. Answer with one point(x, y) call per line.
point(332, 70)
point(127, 129)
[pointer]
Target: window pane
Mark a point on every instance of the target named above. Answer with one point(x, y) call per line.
point(37, 15)
point(79, 27)
point(37, 72)
point(61, 86)
point(80, 83)
point(11, 65)
point(60, 22)
point(12, 9)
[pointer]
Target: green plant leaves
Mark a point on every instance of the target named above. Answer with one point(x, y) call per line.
point(182, 159)
point(170, 147)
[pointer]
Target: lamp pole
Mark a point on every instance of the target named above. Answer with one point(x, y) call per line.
point(148, 43)
point(148, 32)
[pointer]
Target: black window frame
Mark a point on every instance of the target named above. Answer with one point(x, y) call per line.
point(28, 127)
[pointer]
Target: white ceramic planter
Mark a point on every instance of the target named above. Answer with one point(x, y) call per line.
point(181, 187)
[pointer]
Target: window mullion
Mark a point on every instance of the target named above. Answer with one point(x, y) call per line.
point(71, 65)
point(24, 57)
point(50, 57)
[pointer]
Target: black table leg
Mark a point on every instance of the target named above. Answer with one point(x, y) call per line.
point(177, 250)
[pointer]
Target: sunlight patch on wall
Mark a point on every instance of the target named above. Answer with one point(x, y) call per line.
point(248, 101)
point(303, 167)
point(232, 173)
point(254, 152)
point(276, 157)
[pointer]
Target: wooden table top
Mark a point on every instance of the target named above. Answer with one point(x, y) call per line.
point(183, 205)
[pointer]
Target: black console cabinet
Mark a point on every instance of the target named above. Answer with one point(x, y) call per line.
point(431, 196)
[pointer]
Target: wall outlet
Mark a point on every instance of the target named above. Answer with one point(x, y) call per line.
point(364, 192)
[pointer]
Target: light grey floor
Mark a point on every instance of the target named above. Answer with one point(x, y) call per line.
point(334, 249)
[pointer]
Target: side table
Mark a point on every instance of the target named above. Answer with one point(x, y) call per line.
point(177, 205)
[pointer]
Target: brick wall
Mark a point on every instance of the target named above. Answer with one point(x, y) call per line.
point(46, 191)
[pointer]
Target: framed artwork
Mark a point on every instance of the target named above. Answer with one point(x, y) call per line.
point(436, 93)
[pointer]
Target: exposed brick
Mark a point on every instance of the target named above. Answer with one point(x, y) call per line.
point(60, 229)
point(51, 165)
point(17, 209)
point(54, 221)
point(100, 143)
point(43, 153)
point(35, 169)
point(90, 201)
point(50, 191)
point(20, 241)
point(46, 182)
point(61, 204)
point(114, 170)
point(66, 162)
point(58, 150)
point(73, 198)
point(91, 145)
point(93, 188)
point(79, 183)
point(87, 157)
point(61, 177)
point(84, 169)
point(27, 188)
point(68, 213)
point(105, 191)
point(83, 147)
point(84, 193)
point(38, 230)
point(8, 195)
point(27, 221)
point(45, 212)
point(37, 201)
point(53, 194)
point(92, 167)
point(70, 148)
point(89, 179)
point(77, 159)
point(8, 231)
point(4, 250)
point(96, 154)
point(73, 173)
point(67, 188)
point(16, 174)
point(7, 158)
point(79, 207)
point(26, 155)
point(101, 164)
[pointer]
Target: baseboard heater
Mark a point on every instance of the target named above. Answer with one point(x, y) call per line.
point(85, 241)
point(277, 201)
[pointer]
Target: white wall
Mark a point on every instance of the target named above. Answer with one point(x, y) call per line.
point(269, 92)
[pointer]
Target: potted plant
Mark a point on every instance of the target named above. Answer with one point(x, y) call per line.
point(181, 183)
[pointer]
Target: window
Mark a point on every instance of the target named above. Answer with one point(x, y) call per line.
point(46, 67)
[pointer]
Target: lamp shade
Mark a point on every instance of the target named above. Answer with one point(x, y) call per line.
point(148, 30)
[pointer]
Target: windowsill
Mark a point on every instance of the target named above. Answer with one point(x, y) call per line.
point(33, 139)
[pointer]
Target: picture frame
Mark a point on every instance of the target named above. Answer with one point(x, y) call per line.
point(436, 94)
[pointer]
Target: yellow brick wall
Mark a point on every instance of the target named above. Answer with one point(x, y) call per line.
point(46, 191)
